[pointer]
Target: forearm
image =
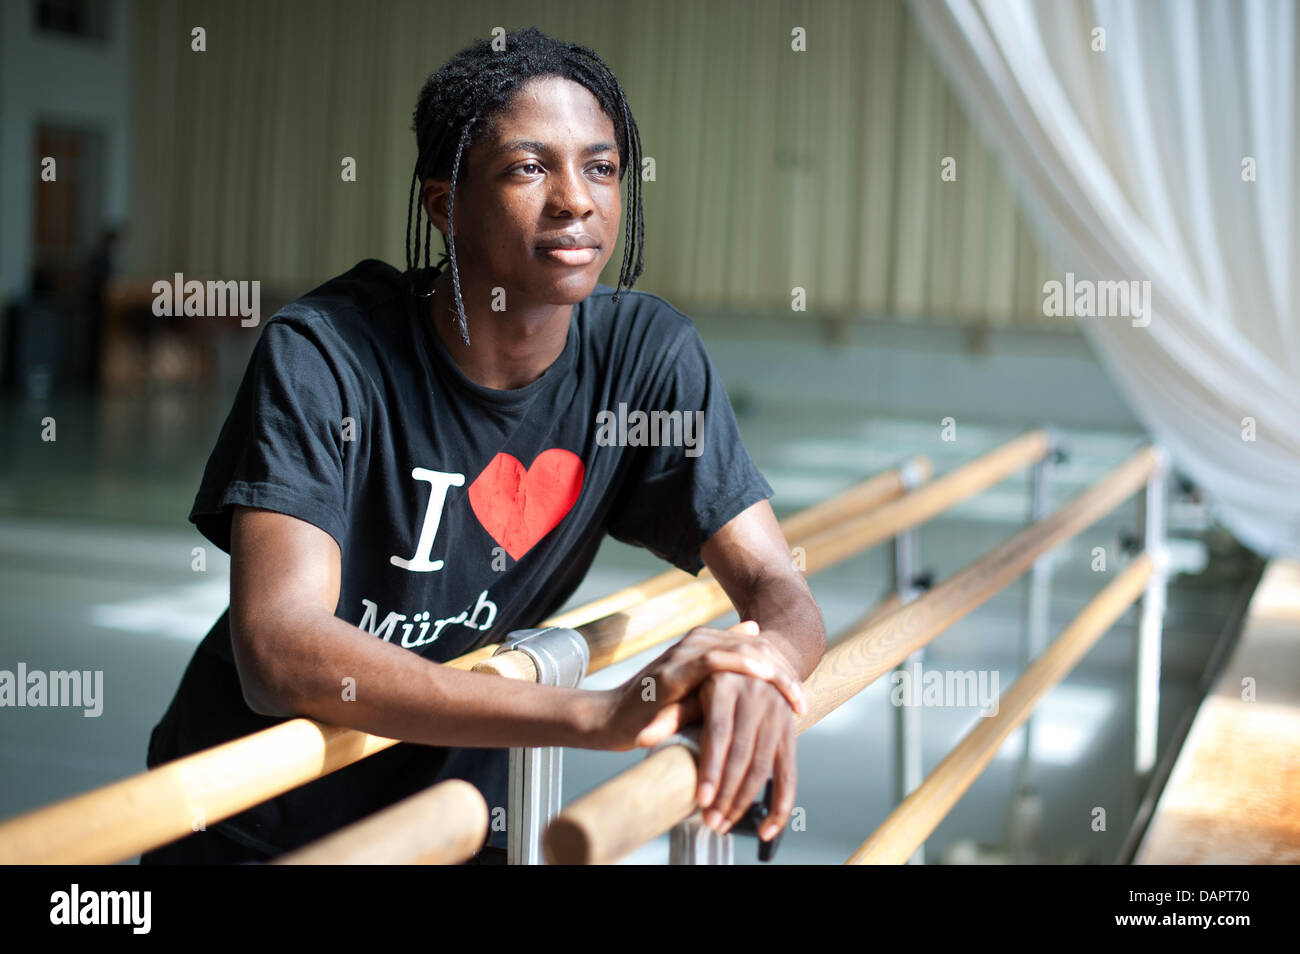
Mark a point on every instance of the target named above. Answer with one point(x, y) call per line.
point(327, 670)
point(783, 606)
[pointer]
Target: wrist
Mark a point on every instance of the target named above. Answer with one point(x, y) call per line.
point(791, 652)
point(589, 718)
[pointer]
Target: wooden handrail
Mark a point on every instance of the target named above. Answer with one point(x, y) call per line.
point(912, 822)
point(622, 635)
point(648, 799)
point(860, 498)
point(442, 825)
point(158, 806)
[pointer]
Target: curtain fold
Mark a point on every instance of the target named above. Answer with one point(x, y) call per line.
point(1168, 155)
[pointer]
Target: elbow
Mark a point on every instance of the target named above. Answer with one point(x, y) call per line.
point(262, 697)
point(264, 702)
point(259, 666)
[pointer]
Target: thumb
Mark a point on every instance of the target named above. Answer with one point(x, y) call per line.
point(747, 627)
point(668, 720)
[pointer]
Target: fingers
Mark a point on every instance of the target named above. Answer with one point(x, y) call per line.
point(703, 653)
point(719, 701)
point(748, 737)
point(784, 771)
point(750, 775)
point(750, 728)
point(679, 677)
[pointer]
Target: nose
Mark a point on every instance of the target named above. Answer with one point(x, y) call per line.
point(571, 194)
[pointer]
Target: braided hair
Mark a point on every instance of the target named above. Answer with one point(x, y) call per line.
point(465, 95)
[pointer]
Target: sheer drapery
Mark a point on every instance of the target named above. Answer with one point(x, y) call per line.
point(1156, 141)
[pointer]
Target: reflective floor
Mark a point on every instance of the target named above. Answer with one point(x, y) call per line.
point(97, 572)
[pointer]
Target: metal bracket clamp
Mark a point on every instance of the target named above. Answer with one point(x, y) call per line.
point(689, 737)
point(561, 657)
point(1057, 451)
point(560, 654)
point(910, 473)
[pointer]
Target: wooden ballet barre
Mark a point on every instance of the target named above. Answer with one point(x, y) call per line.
point(442, 825)
point(623, 635)
point(648, 799)
point(158, 806)
point(912, 822)
point(867, 495)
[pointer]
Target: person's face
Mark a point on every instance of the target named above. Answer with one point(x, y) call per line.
point(546, 170)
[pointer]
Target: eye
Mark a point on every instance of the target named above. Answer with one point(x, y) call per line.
point(528, 165)
point(609, 167)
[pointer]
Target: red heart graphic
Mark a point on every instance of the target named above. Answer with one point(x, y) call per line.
point(518, 507)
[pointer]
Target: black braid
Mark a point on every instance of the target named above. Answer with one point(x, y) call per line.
point(461, 320)
point(464, 96)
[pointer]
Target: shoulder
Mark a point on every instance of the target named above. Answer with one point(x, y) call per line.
point(347, 319)
point(369, 290)
point(639, 320)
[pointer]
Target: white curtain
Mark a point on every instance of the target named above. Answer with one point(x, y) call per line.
point(1156, 141)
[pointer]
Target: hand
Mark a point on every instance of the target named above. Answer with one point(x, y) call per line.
point(749, 736)
point(661, 698)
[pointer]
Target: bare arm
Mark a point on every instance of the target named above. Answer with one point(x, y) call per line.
point(751, 560)
point(749, 731)
point(293, 655)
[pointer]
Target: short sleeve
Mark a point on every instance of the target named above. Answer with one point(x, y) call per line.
point(683, 491)
point(281, 446)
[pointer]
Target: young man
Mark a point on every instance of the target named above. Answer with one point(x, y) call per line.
point(393, 495)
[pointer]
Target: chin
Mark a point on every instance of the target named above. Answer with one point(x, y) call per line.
point(573, 288)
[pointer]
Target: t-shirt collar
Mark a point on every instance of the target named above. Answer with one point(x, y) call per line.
point(445, 365)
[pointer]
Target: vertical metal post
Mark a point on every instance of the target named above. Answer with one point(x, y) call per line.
point(1151, 529)
point(536, 779)
point(908, 738)
point(561, 657)
point(1025, 806)
point(693, 843)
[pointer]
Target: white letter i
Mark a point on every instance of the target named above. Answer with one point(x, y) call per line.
point(420, 563)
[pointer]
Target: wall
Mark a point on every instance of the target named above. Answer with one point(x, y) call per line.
point(774, 169)
point(47, 76)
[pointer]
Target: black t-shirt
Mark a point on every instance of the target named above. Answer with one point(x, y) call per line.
point(461, 512)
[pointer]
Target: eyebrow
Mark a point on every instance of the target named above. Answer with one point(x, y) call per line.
point(532, 145)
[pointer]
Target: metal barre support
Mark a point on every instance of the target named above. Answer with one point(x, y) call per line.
point(535, 792)
point(1026, 809)
point(1151, 530)
point(909, 767)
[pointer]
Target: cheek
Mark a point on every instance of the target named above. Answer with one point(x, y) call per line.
point(611, 208)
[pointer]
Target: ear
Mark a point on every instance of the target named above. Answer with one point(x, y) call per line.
point(434, 196)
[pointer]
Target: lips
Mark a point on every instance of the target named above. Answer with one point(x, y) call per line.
point(570, 256)
point(569, 248)
point(568, 240)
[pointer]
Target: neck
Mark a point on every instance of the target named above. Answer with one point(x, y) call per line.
point(511, 348)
